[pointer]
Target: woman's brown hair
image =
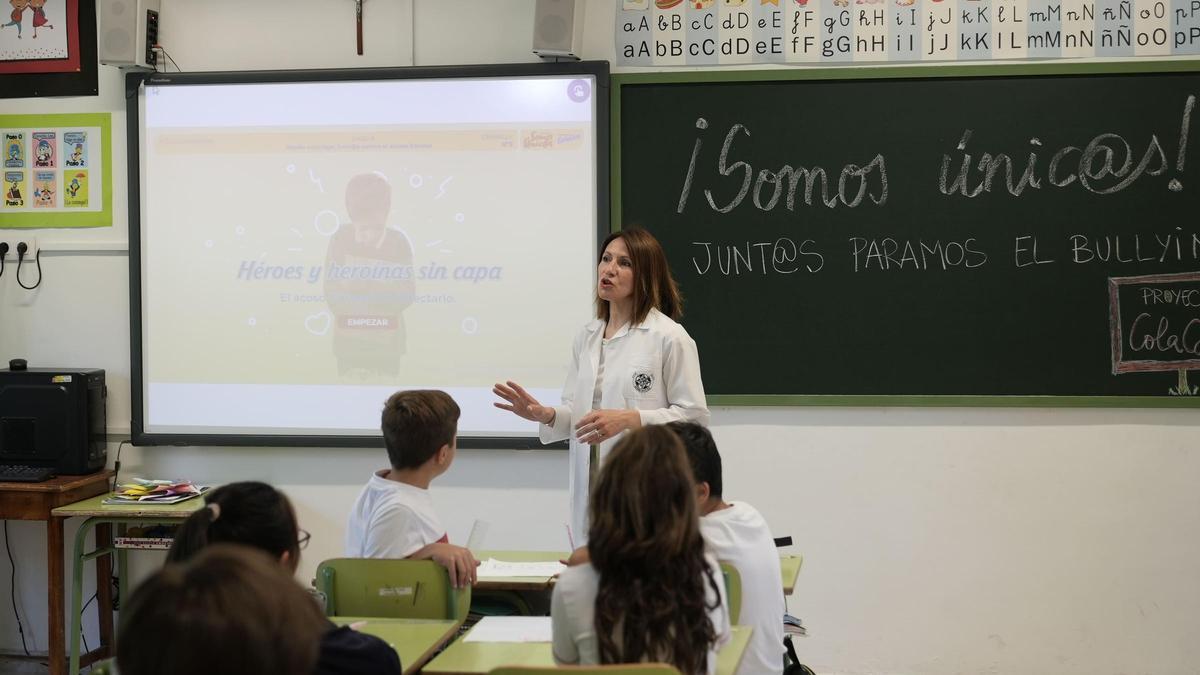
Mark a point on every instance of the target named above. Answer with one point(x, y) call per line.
point(231, 610)
point(653, 285)
point(645, 542)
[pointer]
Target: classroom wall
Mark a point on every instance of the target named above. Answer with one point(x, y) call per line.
point(936, 541)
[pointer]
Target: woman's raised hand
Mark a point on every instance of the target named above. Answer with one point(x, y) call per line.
point(521, 404)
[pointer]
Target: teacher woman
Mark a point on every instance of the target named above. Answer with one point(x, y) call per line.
point(633, 365)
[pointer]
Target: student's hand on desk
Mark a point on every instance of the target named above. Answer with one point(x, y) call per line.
point(521, 403)
point(579, 556)
point(601, 425)
point(458, 561)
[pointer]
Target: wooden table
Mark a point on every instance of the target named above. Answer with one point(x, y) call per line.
point(102, 517)
point(477, 658)
point(415, 640)
point(36, 501)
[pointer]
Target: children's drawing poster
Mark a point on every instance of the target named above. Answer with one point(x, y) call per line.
point(57, 171)
point(39, 36)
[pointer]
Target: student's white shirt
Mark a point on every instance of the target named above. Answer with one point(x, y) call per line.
point(391, 520)
point(652, 367)
point(739, 535)
point(573, 612)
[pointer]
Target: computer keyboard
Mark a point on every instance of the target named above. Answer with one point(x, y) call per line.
point(21, 473)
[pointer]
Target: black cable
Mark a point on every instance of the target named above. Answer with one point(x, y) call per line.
point(3, 255)
point(12, 589)
point(164, 51)
point(82, 633)
point(37, 259)
point(117, 466)
point(172, 60)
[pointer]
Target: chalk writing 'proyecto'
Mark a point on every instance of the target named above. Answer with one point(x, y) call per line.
point(853, 183)
point(1188, 297)
point(1104, 166)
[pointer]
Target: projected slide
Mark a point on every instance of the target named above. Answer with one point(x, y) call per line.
point(309, 248)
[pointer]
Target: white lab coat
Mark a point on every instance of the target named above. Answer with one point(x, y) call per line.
point(652, 367)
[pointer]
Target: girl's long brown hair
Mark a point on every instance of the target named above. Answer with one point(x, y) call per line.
point(645, 542)
point(653, 285)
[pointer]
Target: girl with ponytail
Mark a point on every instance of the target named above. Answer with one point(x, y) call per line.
point(257, 515)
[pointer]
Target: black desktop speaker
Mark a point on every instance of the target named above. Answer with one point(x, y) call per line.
point(54, 418)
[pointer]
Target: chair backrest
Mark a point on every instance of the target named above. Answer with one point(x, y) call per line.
point(615, 669)
point(733, 591)
point(407, 589)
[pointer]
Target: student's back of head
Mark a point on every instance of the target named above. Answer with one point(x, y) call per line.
point(702, 454)
point(416, 424)
point(250, 513)
point(645, 543)
point(231, 610)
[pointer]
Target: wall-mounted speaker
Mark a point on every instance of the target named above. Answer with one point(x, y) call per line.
point(128, 32)
point(558, 28)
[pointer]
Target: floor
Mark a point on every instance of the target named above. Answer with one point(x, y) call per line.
point(24, 665)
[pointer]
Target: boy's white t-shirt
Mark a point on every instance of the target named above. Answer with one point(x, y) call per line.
point(392, 520)
point(739, 535)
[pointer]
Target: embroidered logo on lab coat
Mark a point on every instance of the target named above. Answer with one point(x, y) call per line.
point(643, 382)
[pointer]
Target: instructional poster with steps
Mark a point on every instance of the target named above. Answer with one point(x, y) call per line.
point(56, 171)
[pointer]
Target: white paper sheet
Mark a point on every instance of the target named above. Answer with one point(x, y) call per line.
point(511, 629)
point(501, 568)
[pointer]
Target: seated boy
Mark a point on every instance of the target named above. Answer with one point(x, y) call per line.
point(737, 534)
point(393, 516)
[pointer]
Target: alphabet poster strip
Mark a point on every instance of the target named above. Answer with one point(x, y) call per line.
point(57, 171)
point(727, 32)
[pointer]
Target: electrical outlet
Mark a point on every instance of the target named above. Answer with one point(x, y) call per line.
point(31, 247)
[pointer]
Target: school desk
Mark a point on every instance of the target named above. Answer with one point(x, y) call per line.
point(102, 517)
point(415, 640)
point(518, 583)
point(36, 501)
point(477, 658)
point(789, 568)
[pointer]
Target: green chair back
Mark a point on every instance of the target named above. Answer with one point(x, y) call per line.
point(406, 589)
point(733, 591)
point(616, 669)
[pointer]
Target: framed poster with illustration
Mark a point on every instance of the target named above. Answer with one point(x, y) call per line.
point(48, 48)
point(57, 170)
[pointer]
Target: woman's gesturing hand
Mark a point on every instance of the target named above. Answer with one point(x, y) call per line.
point(521, 404)
point(601, 425)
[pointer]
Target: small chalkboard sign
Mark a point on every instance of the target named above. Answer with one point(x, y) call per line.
point(1155, 321)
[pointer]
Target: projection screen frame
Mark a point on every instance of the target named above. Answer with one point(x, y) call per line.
point(134, 87)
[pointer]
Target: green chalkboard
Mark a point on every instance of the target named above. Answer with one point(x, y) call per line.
point(988, 236)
